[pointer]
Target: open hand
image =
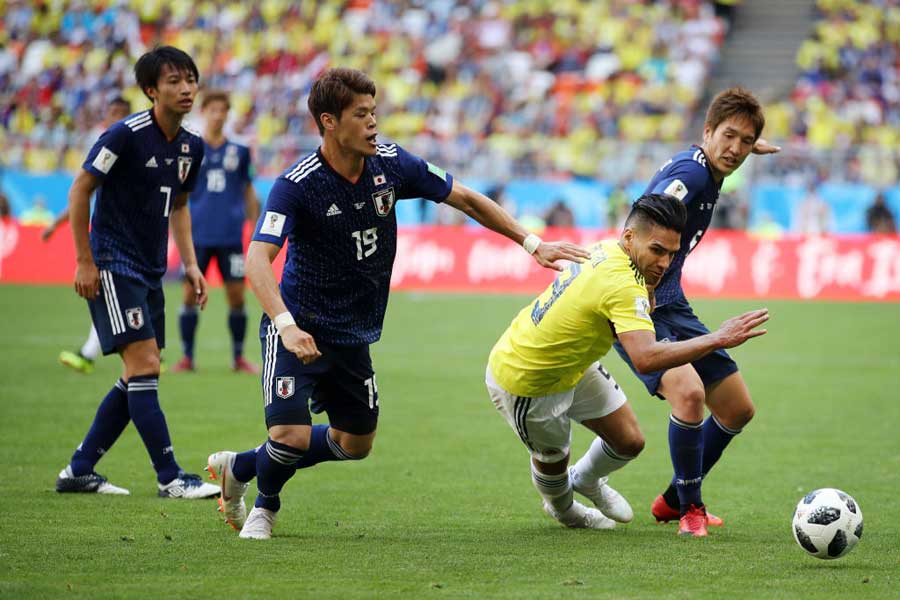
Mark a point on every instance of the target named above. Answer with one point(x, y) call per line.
point(548, 253)
point(737, 330)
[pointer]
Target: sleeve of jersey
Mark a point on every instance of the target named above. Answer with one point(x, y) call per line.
point(107, 151)
point(190, 181)
point(421, 179)
point(684, 181)
point(628, 306)
point(277, 220)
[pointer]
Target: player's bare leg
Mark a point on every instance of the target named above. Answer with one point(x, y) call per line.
point(619, 440)
point(188, 318)
point(237, 323)
point(729, 401)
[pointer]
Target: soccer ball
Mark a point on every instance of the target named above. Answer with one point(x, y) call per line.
point(827, 523)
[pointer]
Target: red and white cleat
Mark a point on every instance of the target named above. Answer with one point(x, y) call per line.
point(663, 513)
point(242, 365)
point(693, 522)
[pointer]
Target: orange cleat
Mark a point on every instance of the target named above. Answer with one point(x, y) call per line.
point(693, 522)
point(663, 513)
point(242, 365)
point(184, 365)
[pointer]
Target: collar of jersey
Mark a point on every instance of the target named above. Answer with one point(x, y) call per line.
point(161, 132)
point(708, 168)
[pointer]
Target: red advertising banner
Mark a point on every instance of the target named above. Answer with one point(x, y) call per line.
point(467, 259)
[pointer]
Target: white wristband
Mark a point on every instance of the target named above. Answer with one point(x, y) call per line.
point(531, 243)
point(283, 320)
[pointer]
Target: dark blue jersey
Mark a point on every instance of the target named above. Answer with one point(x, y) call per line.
point(343, 238)
point(141, 173)
point(218, 207)
point(687, 177)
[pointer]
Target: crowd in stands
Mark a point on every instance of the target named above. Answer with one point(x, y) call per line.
point(489, 89)
point(509, 88)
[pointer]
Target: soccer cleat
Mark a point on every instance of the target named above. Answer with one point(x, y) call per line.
point(185, 365)
point(242, 365)
point(663, 513)
point(76, 362)
point(607, 500)
point(693, 522)
point(259, 524)
point(579, 516)
point(93, 483)
point(189, 487)
point(231, 500)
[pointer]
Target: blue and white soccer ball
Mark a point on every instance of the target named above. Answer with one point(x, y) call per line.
point(828, 523)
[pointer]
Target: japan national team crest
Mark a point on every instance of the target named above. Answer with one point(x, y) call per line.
point(184, 167)
point(384, 201)
point(135, 317)
point(284, 387)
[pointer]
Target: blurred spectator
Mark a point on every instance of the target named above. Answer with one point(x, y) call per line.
point(559, 215)
point(37, 213)
point(813, 214)
point(5, 211)
point(879, 218)
point(767, 228)
point(731, 211)
point(618, 204)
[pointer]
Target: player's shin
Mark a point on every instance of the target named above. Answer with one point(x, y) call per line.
point(149, 420)
point(187, 326)
point(555, 489)
point(599, 461)
point(109, 422)
point(686, 449)
point(237, 325)
point(275, 465)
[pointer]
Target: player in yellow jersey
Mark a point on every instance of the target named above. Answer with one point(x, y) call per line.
point(543, 372)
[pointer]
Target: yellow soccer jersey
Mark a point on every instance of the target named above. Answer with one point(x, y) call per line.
point(573, 323)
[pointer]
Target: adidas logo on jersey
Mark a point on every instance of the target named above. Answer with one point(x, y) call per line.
point(151, 163)
point(333, 210)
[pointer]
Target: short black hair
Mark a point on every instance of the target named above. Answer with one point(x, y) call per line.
point(658, 209)
point(334, 91)
point(149, 66)
point(120, 101)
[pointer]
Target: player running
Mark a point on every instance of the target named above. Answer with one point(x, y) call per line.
point(223, 199)
point(143, 169)
point(335, 207)
point(543, 371)
point(734, 122)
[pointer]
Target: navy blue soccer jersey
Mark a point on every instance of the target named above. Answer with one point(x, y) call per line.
point(687, 177)
point(343, 238)
point(218, 207)
point(141, 173)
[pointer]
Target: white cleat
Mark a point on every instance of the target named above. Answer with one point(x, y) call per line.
point(259, 524)
point(189, 487)
point(231, 501)
point(92, 483)
point(579, 516)
point(610, 502)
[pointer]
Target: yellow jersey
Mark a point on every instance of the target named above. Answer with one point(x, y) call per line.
point(552, 341)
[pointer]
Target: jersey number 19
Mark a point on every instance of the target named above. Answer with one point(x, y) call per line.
point(366, 242)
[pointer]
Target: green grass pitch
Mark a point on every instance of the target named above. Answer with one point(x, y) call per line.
point(444, 507)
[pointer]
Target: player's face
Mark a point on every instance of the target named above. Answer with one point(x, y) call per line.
point(215, 113)
point(175, 90)
point(652, 249)
point(729, 145)
point(357, 129)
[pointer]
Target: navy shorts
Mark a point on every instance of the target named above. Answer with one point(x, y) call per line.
point(341, 383)
point(676, 322)
point(229, 258)
point(127, 311)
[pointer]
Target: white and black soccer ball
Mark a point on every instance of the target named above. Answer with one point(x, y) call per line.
point(828, 523)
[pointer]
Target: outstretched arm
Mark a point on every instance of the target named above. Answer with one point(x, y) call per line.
point(48, 231)
point(494, 217)
point(647, 355)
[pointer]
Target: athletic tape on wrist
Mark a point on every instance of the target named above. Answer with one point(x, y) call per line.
point(531, 243)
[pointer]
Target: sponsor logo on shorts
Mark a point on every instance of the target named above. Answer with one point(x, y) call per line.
point(284, 387)
point(135, 317)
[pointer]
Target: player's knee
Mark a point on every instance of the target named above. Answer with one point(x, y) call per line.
point(356, 449)
point(143, 364)
point(741, 416)
point(689, 401)
point(632, 445)
point(295, 437)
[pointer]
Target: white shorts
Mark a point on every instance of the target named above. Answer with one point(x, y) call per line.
point(543, 423)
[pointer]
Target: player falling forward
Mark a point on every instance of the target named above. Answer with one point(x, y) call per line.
point(734, 122)
point(543, 371)
point(143, 169)
point(82, 360)
point(335, 206)
point(223, 199)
